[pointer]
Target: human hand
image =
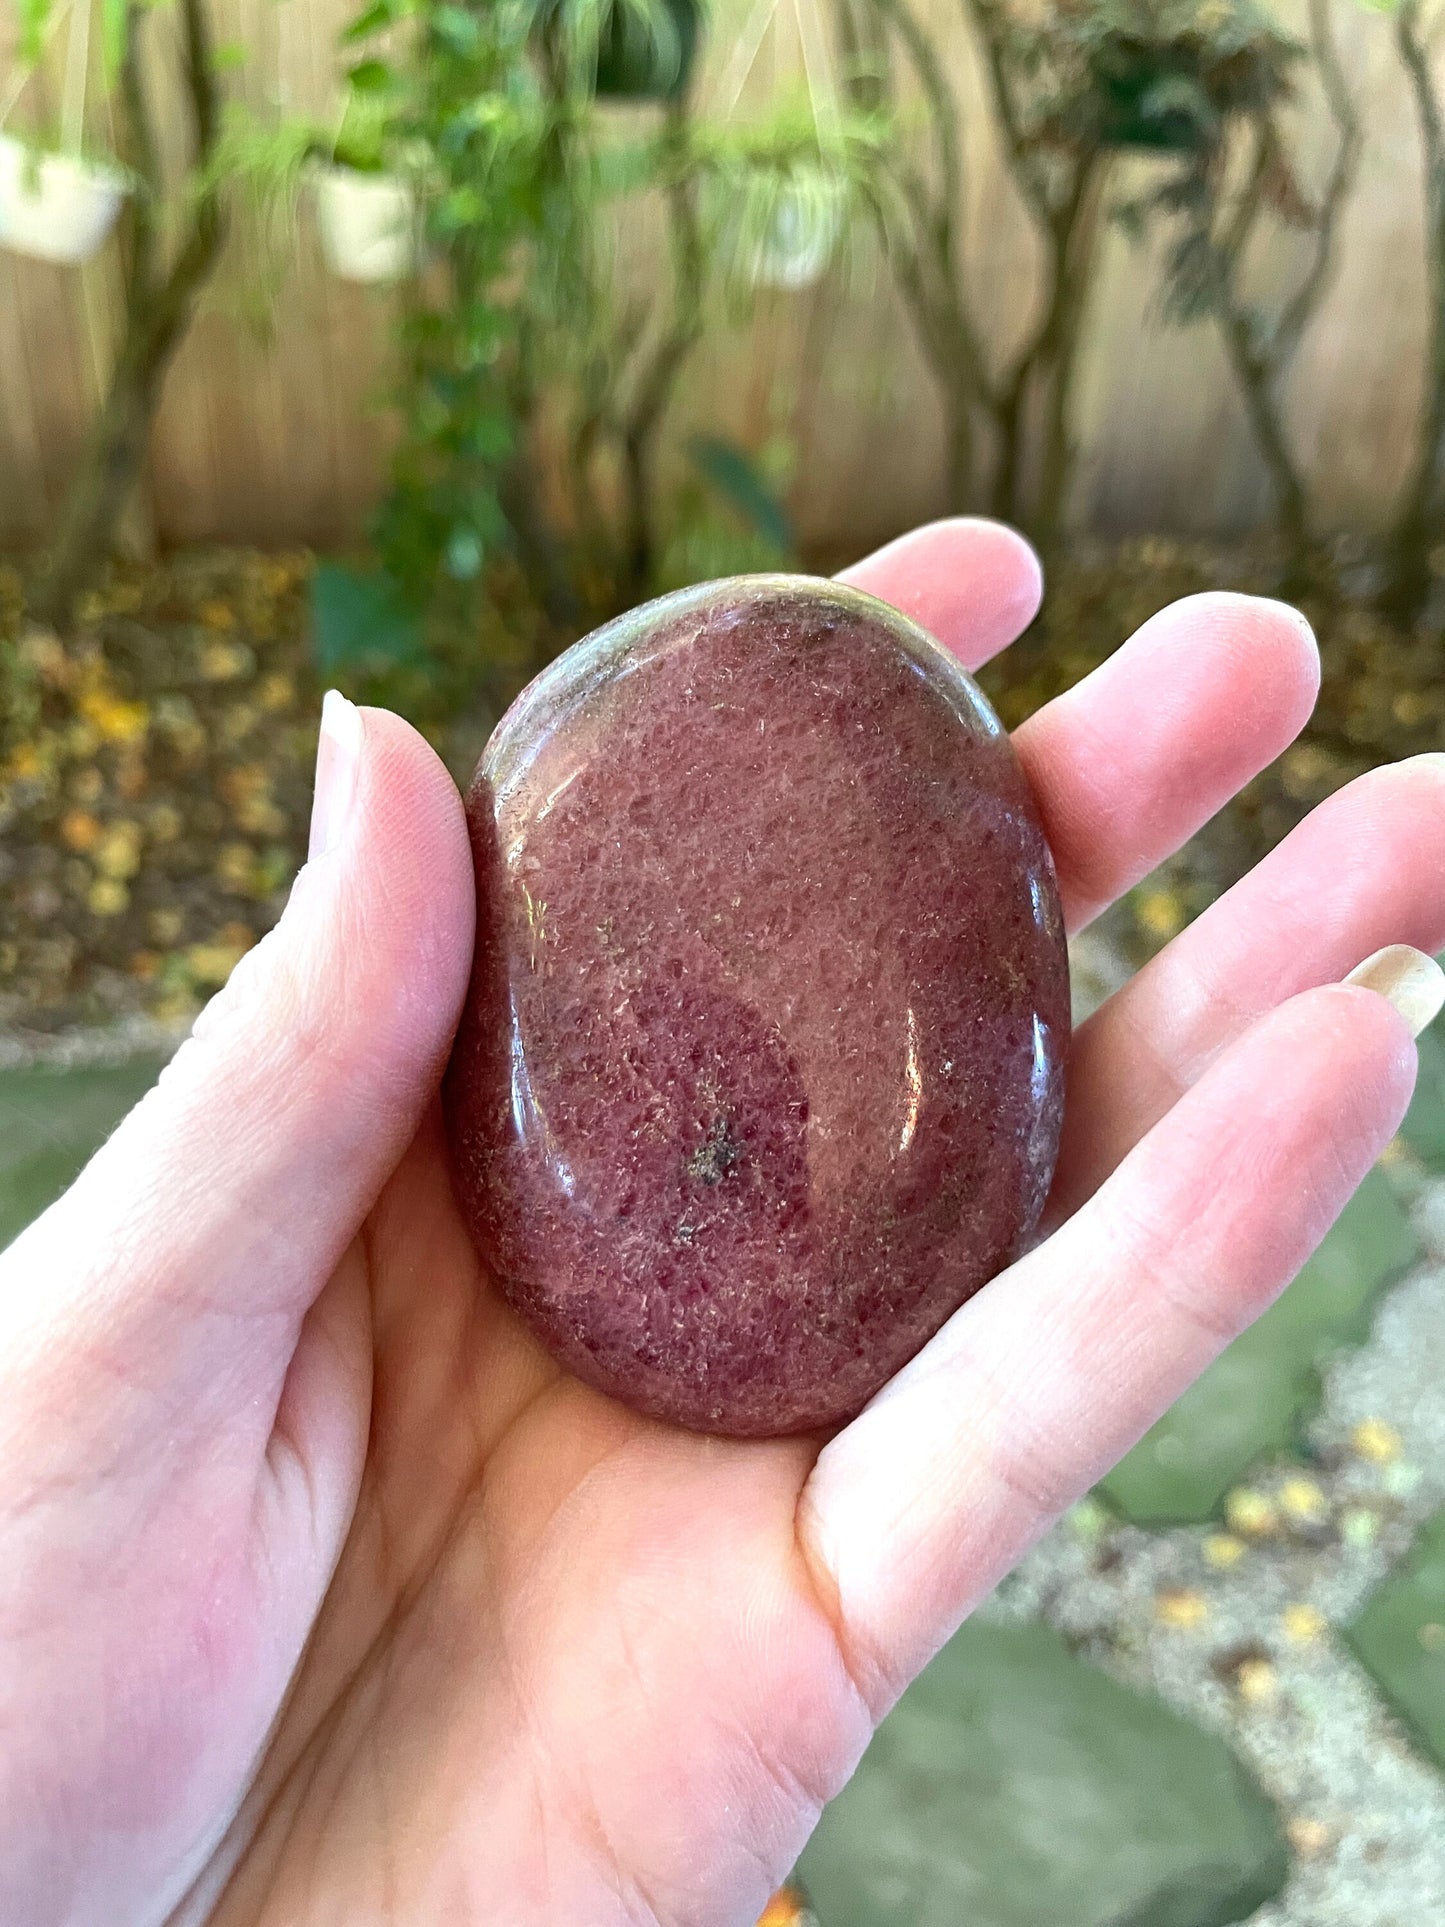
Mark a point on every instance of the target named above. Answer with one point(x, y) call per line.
point(325, 1595)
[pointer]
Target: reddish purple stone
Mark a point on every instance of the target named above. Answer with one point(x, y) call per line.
point(760, 1074)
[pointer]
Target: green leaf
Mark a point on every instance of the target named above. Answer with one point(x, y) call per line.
point(457, 29)
point(34, 24)
point(464, 554)
point(229, 58)
point(370, 77)
point(361, 621)
point(733, 473)
point(372, 19)
point(112, 37)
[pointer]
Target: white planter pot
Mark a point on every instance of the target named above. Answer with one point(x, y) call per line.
point(801, 236)
point(368, 224)
point(56, 207)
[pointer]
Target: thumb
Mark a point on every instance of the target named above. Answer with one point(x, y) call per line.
point(181, 1262)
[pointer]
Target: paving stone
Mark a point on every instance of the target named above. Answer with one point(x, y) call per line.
point(1015, 1784)
point(1424, 1126)
point(1255, 1397)
point(1400, 1638)
point(51, 1120)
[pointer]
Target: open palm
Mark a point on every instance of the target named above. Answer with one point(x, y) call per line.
point(327, 1596)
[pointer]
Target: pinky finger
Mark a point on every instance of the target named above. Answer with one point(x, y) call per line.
point(1041, 1383)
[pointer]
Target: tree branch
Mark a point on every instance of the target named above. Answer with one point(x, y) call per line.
point(1348, 144)
point(140, 154)
point(1022, 163)
point(929, 276)
point(1416, 62)
point(942, 108)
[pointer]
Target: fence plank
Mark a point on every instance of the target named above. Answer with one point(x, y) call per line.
point(286, 438)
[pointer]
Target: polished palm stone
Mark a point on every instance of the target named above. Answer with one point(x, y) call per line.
point(760, 1072)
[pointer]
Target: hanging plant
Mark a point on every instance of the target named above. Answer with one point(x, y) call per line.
point(785, 183)
point(366, 211)
point(795, 225)
point(367, 224)
point(647, 53)
point(629, 50)
point(56, 202)
point(56, 207)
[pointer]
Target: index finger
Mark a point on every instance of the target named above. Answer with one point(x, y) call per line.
point(973, 584)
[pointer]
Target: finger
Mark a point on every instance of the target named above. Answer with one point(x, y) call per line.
point(1129, 763)
point(973, 584)
point(1366, 868)
point(180, 1265)
point(1040, 1383)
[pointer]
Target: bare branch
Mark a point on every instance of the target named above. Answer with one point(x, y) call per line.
point(1348, 145)
point(942, 108)
point(1416, 62)
point(929, 273)
point(1021, 160)
point(142, 156)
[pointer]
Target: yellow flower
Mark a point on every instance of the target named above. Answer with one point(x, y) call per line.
point(117, 854)
point(113, 720)
point(1304, 1623)
point(107, 897)
point(210, 964)
point(165, 927)
point(165, 823)
point(1307, 1837)
point(1181, 1608)
point(1302, 1501)
point(1373, 1439)
point(79, 830)
point(235, 867)
point(1257, 1681)
point(1304, 770)
point(1160, 913)
point(259, 816)
point(787, 1908)
point(1222, 1550)
point(276, 692)
point(25, 763)
point(1250, 1513)
point(224, 661)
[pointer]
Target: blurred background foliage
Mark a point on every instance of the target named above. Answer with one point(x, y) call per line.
point(646, 291)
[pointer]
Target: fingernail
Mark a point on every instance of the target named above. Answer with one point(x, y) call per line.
point(1406, 978)
point(338, 754)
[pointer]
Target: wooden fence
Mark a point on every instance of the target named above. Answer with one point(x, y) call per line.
point(282, 438)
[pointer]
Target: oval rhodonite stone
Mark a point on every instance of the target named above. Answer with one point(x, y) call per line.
point(760, 1073)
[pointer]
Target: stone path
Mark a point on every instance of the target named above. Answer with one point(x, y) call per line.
point(1217, 1690)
